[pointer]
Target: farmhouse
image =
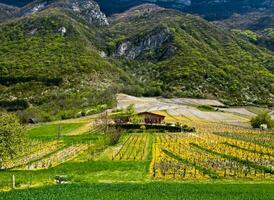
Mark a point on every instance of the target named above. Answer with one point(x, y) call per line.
point(151, 118)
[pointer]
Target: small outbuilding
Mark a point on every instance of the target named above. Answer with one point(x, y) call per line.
point(151, 118)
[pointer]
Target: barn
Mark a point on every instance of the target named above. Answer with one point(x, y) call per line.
point(151, 118)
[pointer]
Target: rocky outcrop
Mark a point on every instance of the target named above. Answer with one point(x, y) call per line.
point(132, 49)
point(7, 12)
point(89, 10)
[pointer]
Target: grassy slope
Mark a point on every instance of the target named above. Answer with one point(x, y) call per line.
point(33, 47)
point(50, 130)
point(148, 191)
point(209, 61)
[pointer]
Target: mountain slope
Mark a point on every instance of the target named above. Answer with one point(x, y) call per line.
point(211, 10)
point(260, 22)
point(7, 11)
point(192, 57)
point(48, 61)
point(58, 62)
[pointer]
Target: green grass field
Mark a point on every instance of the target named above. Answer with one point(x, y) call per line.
point(50, 131)
point(147, 191)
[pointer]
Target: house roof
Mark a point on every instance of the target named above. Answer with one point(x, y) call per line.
point(150, 113)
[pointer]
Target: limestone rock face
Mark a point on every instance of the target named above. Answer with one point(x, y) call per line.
point(133, 49)
point(89, 10)
point(7, 11)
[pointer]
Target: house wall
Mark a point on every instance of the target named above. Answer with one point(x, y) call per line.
point(152, 119)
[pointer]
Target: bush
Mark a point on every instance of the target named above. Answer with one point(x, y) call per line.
point(113, 135)
point(206, 108)
point(33, 114)
point(11, 135)
point(15, 105)
point(263, 118)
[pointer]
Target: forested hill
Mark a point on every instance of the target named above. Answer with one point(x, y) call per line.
point(211, 10)
point(257, 26)
point(67, 59)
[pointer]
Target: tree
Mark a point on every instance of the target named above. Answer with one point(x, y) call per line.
point(112, 136)
point(11, 136)
point(262, 118)
point(128, 115)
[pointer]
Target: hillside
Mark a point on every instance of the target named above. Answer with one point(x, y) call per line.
point(211, 10)
point(50, 67)
point(63, 61)
point(7, 11)
point(259, 22)
point(182, 55)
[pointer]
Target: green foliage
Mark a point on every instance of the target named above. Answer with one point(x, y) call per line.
point(143, 128)
point(112, 136)
point(262, 118)
point(11, 136)
point(14, 105)
point(208, 60)
point(61, 76)
point(51, 131)
point(148, 191)
point(250, 35)
point(127, 115)
point(206, 108)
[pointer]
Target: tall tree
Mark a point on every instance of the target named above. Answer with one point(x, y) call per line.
point(11, 136)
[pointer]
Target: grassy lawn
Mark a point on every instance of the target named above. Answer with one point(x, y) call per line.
point(89, 171)
point(50, 131)
point(147, 191)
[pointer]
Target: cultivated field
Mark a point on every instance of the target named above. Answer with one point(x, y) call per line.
point(220, 153)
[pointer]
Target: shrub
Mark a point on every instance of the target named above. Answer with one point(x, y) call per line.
point(262, 118)
point(113, 135)
point(143, 128)
point(206, 108)
point(11, 135)
point(18, 104)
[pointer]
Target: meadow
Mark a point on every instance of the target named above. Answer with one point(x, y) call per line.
point(159, 190)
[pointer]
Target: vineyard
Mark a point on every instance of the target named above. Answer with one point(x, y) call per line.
point(81, 152)
point(213, 156)
point(134, 148)
point(44, 150)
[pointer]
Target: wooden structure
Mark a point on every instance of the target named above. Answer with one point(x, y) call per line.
point(121, 120)
point(151, 118)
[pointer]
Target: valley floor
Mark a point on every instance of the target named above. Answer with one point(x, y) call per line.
point(219, 161)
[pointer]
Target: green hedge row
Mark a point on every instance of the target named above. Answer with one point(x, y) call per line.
point(158, 127)
point(9, 80)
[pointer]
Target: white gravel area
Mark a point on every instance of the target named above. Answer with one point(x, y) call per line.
point(185, 107)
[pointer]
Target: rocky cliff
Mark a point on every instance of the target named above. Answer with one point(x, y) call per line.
point(7, 11)
point(89, 10)
point(153, 40)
